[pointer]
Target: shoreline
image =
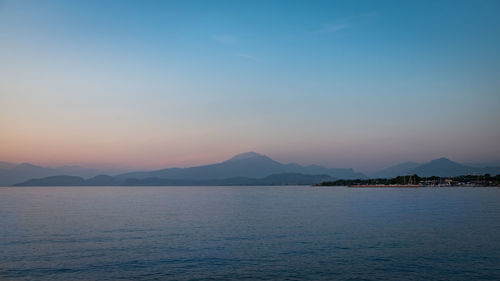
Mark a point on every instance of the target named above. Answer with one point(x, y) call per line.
point(386, 186)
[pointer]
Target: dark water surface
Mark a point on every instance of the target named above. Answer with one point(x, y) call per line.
point(234, 233)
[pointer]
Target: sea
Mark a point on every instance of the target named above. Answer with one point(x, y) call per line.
point(249, 233)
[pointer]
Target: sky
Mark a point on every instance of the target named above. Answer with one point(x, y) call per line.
point(155, 84)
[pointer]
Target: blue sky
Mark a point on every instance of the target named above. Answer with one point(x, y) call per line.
point(147, 84)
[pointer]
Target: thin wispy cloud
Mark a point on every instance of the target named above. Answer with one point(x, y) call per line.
point(231, 40)
point(332, 28)
point(348, 22)
point(224, 39)
point(335, 27)
point(247, 56)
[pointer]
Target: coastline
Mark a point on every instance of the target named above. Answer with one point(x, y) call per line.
point(386, 186)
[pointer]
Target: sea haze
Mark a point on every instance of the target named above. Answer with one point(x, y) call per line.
point(233, 233)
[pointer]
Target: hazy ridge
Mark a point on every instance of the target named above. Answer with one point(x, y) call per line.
point(243, 169)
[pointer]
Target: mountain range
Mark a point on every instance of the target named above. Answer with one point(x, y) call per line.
point(11, 173)
point(243, 169)
point(441, 167)
point(250, 164)
point(103, 180)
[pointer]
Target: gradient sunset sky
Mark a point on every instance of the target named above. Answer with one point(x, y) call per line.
point(153, 84)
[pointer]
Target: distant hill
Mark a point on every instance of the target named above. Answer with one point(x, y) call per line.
point(14, 173)
point(246, 165)
point(103, 180)
point(100, 180)
point(243, 169)
point(11, 173)
point(55, 181)
point(276, 179)
point(396, 170)
point(76, 170)
point(250, 164)
point(441, 167)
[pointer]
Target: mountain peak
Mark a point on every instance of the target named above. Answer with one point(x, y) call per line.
point(442, 160)
point(27, 165)
point(246, 155)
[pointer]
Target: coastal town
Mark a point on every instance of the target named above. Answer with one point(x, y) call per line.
point(414, 181)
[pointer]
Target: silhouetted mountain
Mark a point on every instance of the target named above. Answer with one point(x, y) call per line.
point(250, 164)
point(104, 180)
point(293, 178)
point(444, 167)
point(276, 179)
point(396, 170)
point(246, 155)
point(55, 181)
point(14, 173)
point(243, 169)
point(76, 170)
point(441, 167)
point(247, 165)
point(341, 173)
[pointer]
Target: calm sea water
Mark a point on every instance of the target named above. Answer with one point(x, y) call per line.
point(234, 233)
